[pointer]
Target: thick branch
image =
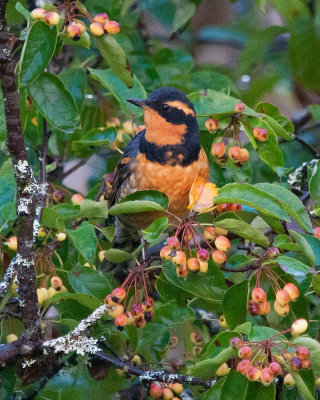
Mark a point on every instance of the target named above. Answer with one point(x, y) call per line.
point(27, 193)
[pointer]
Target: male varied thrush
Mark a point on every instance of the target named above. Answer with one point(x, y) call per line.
point(166, 156)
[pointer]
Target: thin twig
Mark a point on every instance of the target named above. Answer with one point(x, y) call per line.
point(102, 188)
point(75, 167)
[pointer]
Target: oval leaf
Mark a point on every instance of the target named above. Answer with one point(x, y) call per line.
point(235, 304)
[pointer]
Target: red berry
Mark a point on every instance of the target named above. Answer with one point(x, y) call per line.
point(180, 258)
point(74, 32)
point(275, 368)
point(245, 352)
point(121, 320)
point(101, 18)
point(165, 253)
point(56, 282)
point(282, 297)
point(176, 387)
point(236, 343)
point(209, 234)
point(239, 108)
point(316, 232)
point(272, 252)
point(305, 364)
point(266, 376)
point(140, 322)
point(193, 264)
point(260, 134)
point(243, 366)
point(235, 207)
point(137, 310)
point(38, 13)
point(289, 381)
point(58, 196)
point(218, 150)
point(52, 18)
point(174, 243)
point(112, 27)
point(77, 198)
point(156, 391)
point(211, 125)
point(264, 308)
point(203, 254)
point(222, 243)
point(119, 293)
point(182, 272)
point(219, 257)
point(259, 295)
point(253, 308)
point(243, 156)
point(234, 153)
point(292, 290)
point(253, 374)
point(303, 352)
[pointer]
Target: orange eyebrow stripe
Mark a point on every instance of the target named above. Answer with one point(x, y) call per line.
point(181, 106)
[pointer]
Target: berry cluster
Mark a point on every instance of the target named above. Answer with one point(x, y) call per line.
point(165, 391)
point(138, 314)
point(181, 255)
point(74, 28)
point(239, 156)
point(258, 305)
point(44, 294)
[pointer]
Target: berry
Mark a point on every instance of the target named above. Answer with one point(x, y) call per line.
point(137, 310)
point(219, 257)
point(38, 13)
point(167, 394)
point(42, 233)
point(299, 326)
point(203, 266)
point(174, 243)
point(80, 25)
point(275, 368)
point(234, 153)
point(135, 361)
point(282, 297)
point(96, 29)
point(196, 338)
point(209, 234)
point(259, 295)
point(56, 282)
point(211, 125)
point(148, 304)
point(281, 310)
point(295, 363)
point(223, 322)
point(180, 258)
point(77, 199)
point(58, 196)
point(109, 302)
point(165, 253)
point(289, 381)
point(51, 292)
point(235, 208)
point(12, 243)
point(253, 308)
point(266, 376)
point(223, 207)
point(121, 320)
point(61, 236)
point(130, 319)
point(182, 272)
point(128, 126)
point(236, 343)
point(52, 18)
point(140, 322)
point(101, 255)
point(156, 391)
point(243, 366)
point(101, 18)
point(305, 364)
point(74, 31)
point(303, 352)
point(253, 374)
point(260, 134)
point(115, 310)
point(243, 156)
point(176, 387)
point(292, 290)
point(245, 352)
point(11, 338)
point(272, 252)
point(316, 232)
point(264, 308)
point(239, 108)
point(223, 370)
point(218, 150)
point(118, 294)
point(222, 243)
point(112, 27)
point(43, 295)
point(203, 254)
point(193, 264)
point(287, 356)
point(221, 231)
point(63, 289)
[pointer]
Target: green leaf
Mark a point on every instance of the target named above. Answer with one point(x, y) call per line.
point(86, 280)
point(314, 182)
point(235, 304)
point(268, 151)
point(290, 202)
point(259, 333)
point(304, 388)
point(306, 248)
point(115, 57)
point(85, 240)
point(145, 200)
point(7, 191)
point(94, 138)
point(316, 283)
point(314, 243)
point(52, 219)
point(219, 342)
point(214, 393)
point(54, 102)
point(216, 104)
point(281, 125)
point(284, 242)
point(37, 51)
point(251, 196)
point(257, 391)
point(210, 286)
point(207, 368)
point(9, 212)
point(22, 10)
point(84, 299)
point(117, 256)
point(315, 111)
point(119, 90)
point(293, 266)
point(155, 229)
point(93, 209)
point(184, 11)
point(235, 387)
point(84, 41)
point(3, 125)
point(314, 347)
point(244, 230)
point(75, 80)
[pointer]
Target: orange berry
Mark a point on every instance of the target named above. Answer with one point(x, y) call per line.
point(253, 308)
point(234, 153)
point(130, 319)
point(52, 18)
point(219, 257)
point(182, 272)
point(289, 381)
point(264, 308)
point(165, 253)
point(275, 368)
point(77, 199)
point(109, 302)
point(221, 231)
point(299, 326)
point(148, 304)
point(121, 320)
point(239, 108)
point(115, 310)
point(56, 282)
point(38, 13)
point(193, 264)
point(282, 297)
point(180, 258)
point(292, 290)
point(211, 125)
point(236, 343)
point(209, 234)
point(101, 18)
point(218, 150)
point(176, 387)
point(74, 31)
point(259, 295)
point(316, 232)
point(96, 29)
point(156, 391)
point(272, 252)
point(243, 366)
point(260, 134)
point(281, 310)
point(305, 364)
point(245, 352)
point(243, 156)
point(12, 243)
point(80, 25)
point(222, 243)
point(235, 207)
point(174, 243)
point(266, 376)
point(112, 27)
point(253, 374)
point(223, 207)
point(303, 352)
point(167, 394)
point(118, 294)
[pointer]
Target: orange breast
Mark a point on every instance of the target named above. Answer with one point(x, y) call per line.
point(174, 181)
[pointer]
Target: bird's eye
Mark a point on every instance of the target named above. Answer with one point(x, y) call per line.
point(165, 107)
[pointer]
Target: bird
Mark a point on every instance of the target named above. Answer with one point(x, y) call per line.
point(166, 156)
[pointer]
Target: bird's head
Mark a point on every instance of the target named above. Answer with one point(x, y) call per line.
point(168, 116)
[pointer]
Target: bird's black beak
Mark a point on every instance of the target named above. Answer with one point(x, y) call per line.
point(137, 102)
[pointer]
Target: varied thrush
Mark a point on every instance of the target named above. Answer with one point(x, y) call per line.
point(165, 156)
